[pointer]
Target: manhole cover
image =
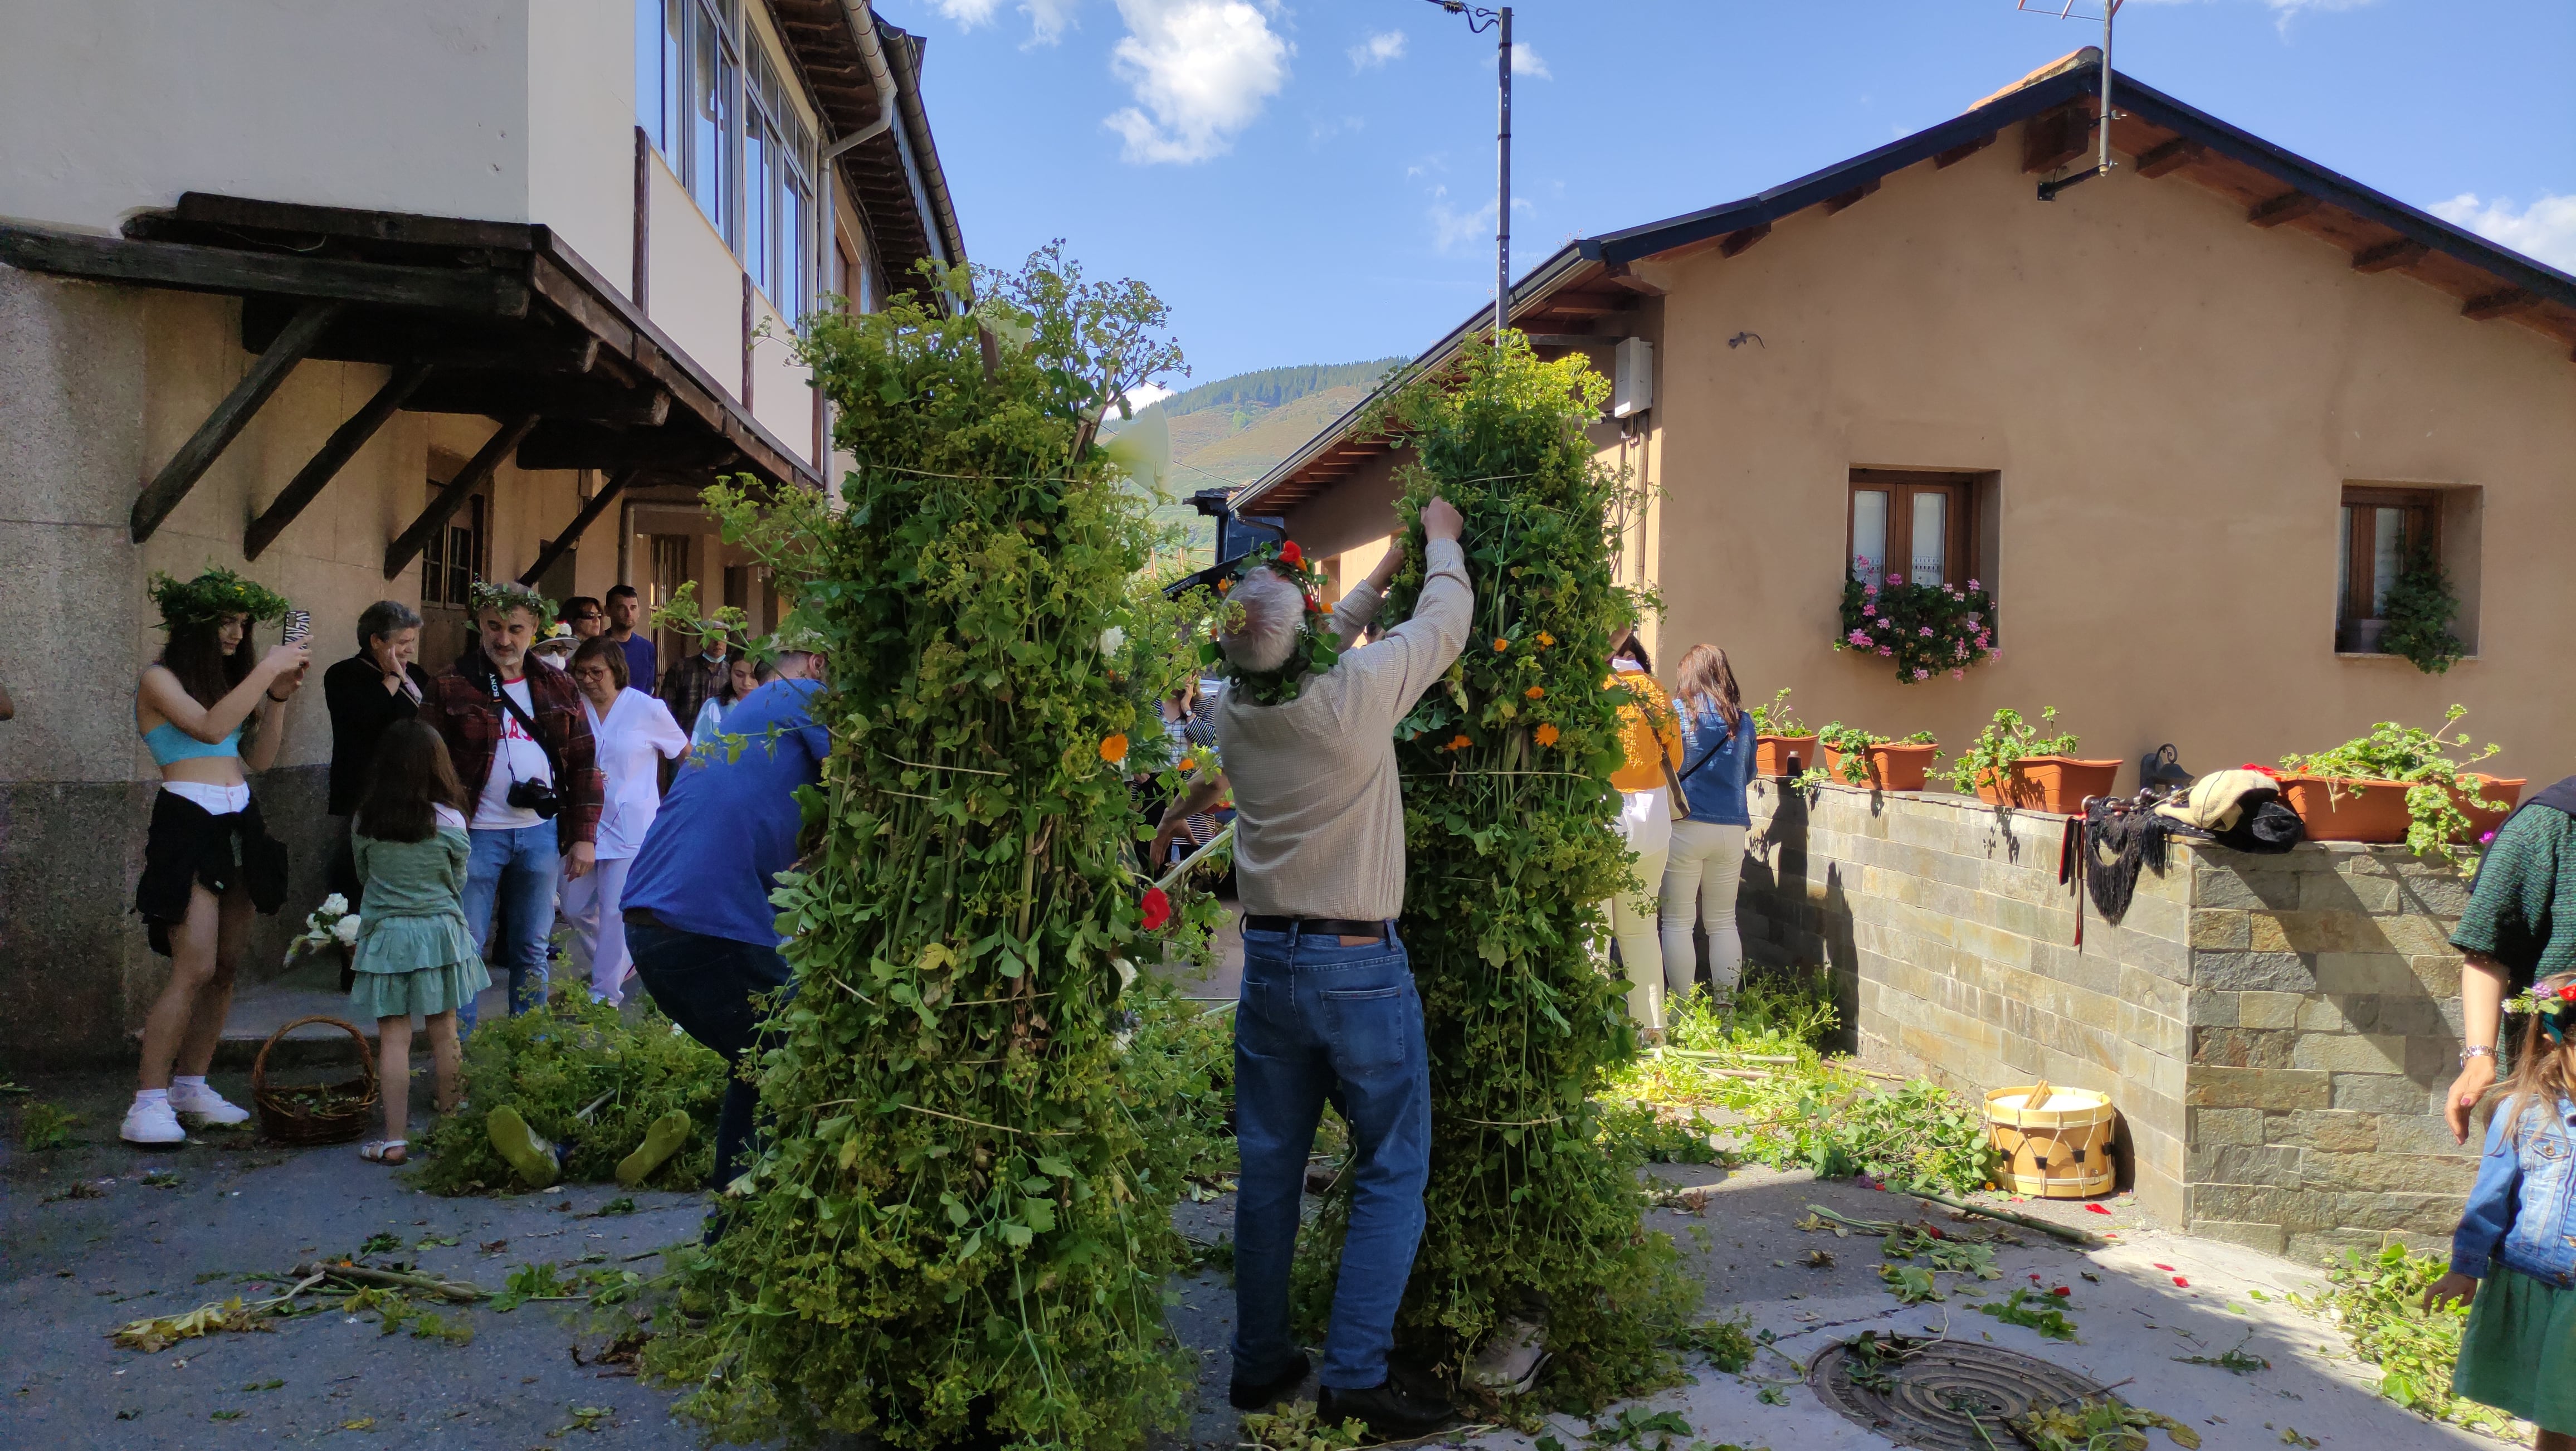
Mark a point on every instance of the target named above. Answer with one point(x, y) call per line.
point(1934, 1394)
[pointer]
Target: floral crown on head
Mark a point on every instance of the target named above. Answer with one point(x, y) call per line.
point(2553, 1005)
point(486, 594)
point(1316, 647)
point(212, 595)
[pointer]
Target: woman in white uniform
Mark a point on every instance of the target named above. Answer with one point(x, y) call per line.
point(631, 730)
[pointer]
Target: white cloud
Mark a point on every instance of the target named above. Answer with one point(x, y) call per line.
point(2546, 229)
point(1451, 228)
point(1200, 71)
point(1374, 52)
point(1144, 393)
point(1048, 19)
point(1526, 62)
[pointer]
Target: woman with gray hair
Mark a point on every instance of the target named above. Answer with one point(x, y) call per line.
point(366, 694)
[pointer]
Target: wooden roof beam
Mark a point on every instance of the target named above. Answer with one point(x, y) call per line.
point(1943, 161)
point(2390, 256)
point(406, 546)
point(598, 505)
point(1845, 200)
point(1737, 243)
point(2053, 138)
point(228, 419)
point(2506, 303)
point(334, 455)
point(189, 268)
point(2289, 206)
point(2170, 157)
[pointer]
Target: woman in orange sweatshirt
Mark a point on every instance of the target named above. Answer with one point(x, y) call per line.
point(1653, 740)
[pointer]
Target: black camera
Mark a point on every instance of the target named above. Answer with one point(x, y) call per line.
point(536, 796)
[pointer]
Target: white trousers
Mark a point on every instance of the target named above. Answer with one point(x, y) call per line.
point(1703, 869)
point(590, 903)
point(1646, 824)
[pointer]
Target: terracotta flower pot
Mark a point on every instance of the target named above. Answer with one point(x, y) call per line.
point(2050, 783)
point(1893, 765)
point(2490, 788)
point(2348, 808)
point(1771, 753)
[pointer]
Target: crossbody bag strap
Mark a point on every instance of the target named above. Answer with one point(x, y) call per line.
point(501, 693)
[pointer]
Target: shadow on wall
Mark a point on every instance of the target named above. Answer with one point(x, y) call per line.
point(1797, 924)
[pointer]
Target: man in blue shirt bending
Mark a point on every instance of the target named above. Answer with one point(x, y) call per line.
point(698, 921)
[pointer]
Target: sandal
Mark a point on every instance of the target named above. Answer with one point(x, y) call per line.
point(385, 1151)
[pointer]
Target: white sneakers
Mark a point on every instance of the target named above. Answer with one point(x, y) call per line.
point(154, 1118)
point(150, 1121)
point(199, 1101)
point(1511, 1359)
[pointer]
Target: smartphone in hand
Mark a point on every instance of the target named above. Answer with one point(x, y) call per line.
point(299, 626)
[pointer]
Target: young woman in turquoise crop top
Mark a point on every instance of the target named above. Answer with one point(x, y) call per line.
point(210, 714)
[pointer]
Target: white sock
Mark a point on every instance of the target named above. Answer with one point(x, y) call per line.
point(186, 1081)
point(151, 1095)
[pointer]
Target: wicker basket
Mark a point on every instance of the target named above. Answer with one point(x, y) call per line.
point(293, 1115)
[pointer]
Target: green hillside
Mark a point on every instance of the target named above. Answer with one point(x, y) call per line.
point(1230, 432)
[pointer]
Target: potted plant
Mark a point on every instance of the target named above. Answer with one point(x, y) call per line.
point(1921, 628)
point(1860, 758)
point(1778, 734)
point(2398, 784)
point(2417, 615)
point(2011, 763)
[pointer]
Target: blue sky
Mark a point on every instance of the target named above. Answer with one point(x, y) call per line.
point(1310, 181)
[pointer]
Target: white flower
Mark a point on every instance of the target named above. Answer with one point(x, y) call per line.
point(1126, 972)
point(334, 905)
point(347, 931)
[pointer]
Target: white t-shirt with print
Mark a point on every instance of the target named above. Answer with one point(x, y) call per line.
point(516, 757)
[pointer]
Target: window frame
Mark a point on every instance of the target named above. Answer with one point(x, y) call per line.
point(1902, 486)
point(2359, 562)
point(773, 241)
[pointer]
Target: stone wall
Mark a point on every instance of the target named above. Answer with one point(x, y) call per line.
point(2275, 1030)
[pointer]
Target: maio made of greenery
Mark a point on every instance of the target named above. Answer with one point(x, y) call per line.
point(1510, 849)
point(962, 1229)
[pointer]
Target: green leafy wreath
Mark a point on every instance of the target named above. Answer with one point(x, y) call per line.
point(1316, 649)
point(212, 595)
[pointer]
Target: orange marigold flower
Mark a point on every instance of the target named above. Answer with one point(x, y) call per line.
point(1545, 639)
point(1501, 645)
point(1546, 735)
point(1460, 743)
point(1114, 749)
point(1535, 692)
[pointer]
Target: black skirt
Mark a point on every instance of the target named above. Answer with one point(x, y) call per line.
point(189, 846)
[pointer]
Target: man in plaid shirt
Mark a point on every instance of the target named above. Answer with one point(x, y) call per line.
point(537, 794)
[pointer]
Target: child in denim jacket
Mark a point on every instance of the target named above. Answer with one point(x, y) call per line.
point(2517, 1235)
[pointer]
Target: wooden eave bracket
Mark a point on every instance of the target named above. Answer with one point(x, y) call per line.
point(442, 507)
point(1737, 243)
point(229, 418)
point(2170, 157)
point(1942, 161)
point(1841, 201)
point(2289, 206)
point(2390, 256)
point(334, 455)
point(580, 524)
point(2505, 303)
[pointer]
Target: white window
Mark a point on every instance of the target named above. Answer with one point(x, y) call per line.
point(717, 122)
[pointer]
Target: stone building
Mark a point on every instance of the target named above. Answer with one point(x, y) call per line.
point(368, 303)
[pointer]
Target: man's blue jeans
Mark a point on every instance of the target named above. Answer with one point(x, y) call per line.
point(1319, 1020)
point(706, 985)
point(515, 868)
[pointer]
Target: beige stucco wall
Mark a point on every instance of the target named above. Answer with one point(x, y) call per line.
point(696, 286)
point(113, 106)
point(2171, 399)
point(581, 128)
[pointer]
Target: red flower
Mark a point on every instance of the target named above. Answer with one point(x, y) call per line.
point(2567, 994)
point(2061, 1290)
point(1157, 908)
point(2096, 1208)
point(2179, 1280)
point(1291, 556)
point(1314, 606)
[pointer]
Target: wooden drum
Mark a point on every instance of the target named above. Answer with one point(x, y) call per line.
point(2056, 1143)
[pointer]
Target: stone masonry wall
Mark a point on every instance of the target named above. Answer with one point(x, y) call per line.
point(2276, 1031)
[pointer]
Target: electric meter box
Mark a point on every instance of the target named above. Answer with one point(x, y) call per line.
point(1632, 377)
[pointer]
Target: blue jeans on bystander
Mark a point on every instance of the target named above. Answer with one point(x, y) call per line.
point(1320, 1020)
point(516, 869)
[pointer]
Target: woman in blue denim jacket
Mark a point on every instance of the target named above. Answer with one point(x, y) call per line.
point(1706, 860)
point(2518, 1237)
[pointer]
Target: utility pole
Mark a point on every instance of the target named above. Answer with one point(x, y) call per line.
point(1503, 187)
point(1479, 20)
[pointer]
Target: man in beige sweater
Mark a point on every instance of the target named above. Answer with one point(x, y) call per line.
point(1328, 1008)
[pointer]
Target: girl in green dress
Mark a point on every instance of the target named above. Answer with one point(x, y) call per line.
point(414, 952)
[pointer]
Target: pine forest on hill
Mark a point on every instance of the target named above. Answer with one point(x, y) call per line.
point(1227, 433)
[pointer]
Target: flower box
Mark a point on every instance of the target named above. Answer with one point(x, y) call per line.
point(2050, 783)
point(2490, 788)
point(2348, 808)
point(1771, 753)
point(1893, 765)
